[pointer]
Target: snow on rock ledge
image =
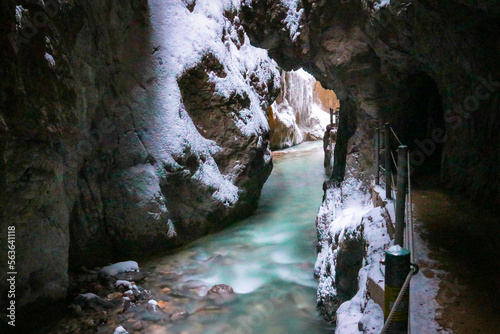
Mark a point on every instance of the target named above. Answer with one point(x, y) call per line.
point(118, 268)
point(352, 236)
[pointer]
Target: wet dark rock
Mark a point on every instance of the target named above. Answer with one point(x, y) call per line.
point(217, 258)
point(96, 287)
point(221, 289)
point(134, 276)
point(178, 294)
point(92, 301)
point(193, 284)
point(76, 310)
point(192, 271)
point(153, 312)
point(351, 251)
point(126, 304)
point(144, 295)
point(170, 276)
point(209, 309)
point(179, 315)
point(137, 326)
point(152, 306)
point(116, 295)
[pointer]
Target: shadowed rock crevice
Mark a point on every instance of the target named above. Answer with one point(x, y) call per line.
point(347, 127)
point(350, 252)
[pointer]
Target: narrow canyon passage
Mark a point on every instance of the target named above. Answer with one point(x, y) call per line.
point(267, 259)
point(136, 152)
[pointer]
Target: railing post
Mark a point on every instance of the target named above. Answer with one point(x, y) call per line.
point(331, 116)
point(397, 268)
point(388, 167)
point(377, 156)
point(401, 194)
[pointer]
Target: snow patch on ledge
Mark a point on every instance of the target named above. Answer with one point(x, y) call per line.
point(395, 249)
point(293, 17)
point(118, 268)
point(383, 3)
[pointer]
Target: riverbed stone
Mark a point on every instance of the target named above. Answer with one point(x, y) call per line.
point(221, 289)
point(115, 295)
point(179, 315)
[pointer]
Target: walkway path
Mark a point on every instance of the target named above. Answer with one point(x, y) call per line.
point(463, 241)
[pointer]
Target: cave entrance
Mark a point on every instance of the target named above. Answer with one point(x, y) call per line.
point(421, 125)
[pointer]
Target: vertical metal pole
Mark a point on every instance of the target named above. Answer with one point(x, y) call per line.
point(377, 156)
point(401, 194)
point(331, 116)
point(409, 227)
point(388, 167)
point(397, 268)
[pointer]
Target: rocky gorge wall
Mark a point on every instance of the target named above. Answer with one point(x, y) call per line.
point(427, 67)
point(126, 127)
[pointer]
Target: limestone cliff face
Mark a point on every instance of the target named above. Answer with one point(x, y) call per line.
point(427, 67)
point(297, 115)
point(119, 135)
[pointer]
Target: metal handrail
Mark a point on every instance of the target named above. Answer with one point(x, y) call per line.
point(406, 284)
point(396, 136)
point(409, 236)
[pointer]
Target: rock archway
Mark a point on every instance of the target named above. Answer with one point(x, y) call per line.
point(368, 53)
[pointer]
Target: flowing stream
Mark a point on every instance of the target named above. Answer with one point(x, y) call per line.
point(267, 259)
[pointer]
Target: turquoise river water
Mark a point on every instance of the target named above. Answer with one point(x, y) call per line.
point(267, 259)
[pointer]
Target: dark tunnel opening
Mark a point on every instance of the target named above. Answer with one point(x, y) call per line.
point(420, 123)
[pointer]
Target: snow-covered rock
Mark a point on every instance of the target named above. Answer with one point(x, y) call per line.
point(125, 284)
point(118, 268)
point(89, 296)
point(353, 235)
point(297, 114)
point(120, 330)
